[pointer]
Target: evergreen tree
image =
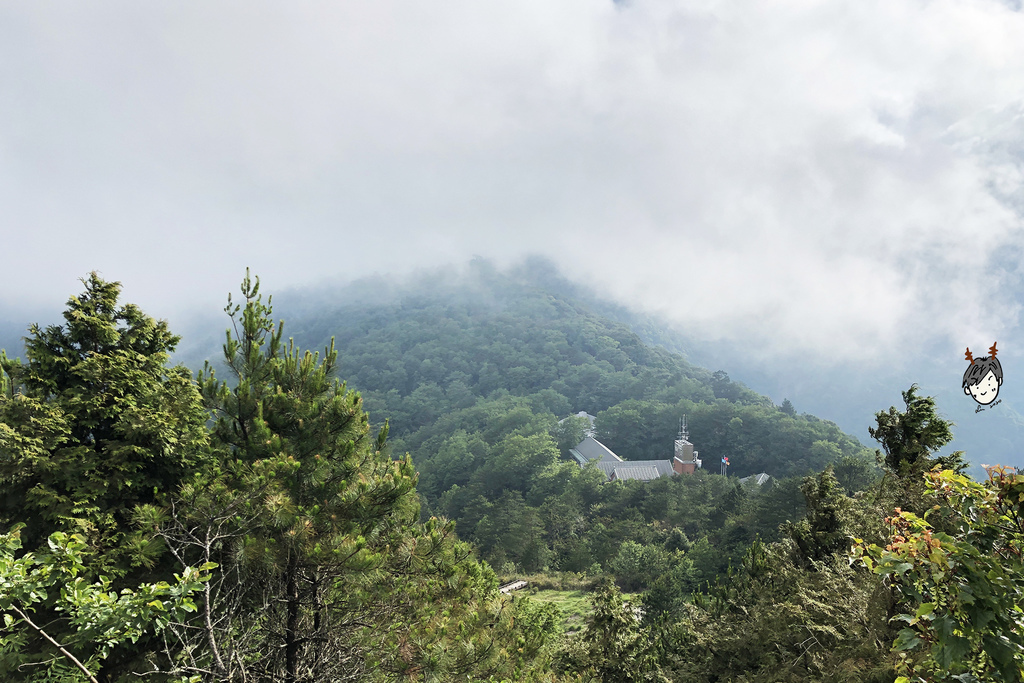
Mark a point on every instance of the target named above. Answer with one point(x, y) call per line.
point(826, 528)
point(95, 424)
point(326, 573)
point(615, 647)
point(787, 408)
point(910, 437)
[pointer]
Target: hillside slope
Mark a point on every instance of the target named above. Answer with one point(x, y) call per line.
point(444, 344)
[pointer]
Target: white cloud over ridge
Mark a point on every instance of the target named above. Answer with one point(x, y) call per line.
point(801, 174)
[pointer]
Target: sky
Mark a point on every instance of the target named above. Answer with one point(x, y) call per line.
point(839, 180)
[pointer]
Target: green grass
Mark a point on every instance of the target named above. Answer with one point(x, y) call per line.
point(574, 605)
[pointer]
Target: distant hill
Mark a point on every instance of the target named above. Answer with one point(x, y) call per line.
point(444, 342)
point(425, 345)
point(474, 369)
point(847, 394)
point(10, 337)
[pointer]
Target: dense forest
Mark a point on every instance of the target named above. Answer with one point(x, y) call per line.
point(284, 525)
point(474, 376)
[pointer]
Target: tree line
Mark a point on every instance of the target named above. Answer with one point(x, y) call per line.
point(187, 528)
point(285, 538)
point(475, 378)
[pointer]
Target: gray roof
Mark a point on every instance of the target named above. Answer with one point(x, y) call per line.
point(758, 479)
point(639, 472)
point(591, 449)
point(659, 468)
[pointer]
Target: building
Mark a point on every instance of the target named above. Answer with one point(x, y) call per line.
point(685, 461)
point(755, 480)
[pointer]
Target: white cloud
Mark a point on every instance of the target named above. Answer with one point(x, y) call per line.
point(803, 173)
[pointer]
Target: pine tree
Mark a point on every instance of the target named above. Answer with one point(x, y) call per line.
point(325, 572)
point(826, 528)
point(615, 647)
point(910, 440)
point(910, 437)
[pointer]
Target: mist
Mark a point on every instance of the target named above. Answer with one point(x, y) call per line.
point(838, 182)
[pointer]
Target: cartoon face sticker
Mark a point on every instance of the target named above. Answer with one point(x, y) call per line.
point(985, 391)
point(983, 377)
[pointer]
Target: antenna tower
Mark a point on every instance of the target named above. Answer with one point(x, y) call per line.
point(683, 432)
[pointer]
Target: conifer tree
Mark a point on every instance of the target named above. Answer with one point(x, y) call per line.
point(325, 572)
point(826, 528)
point(910, 437)
point(94, 424)
point(910, 440)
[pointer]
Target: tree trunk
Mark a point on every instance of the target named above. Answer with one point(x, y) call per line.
point(291, 634)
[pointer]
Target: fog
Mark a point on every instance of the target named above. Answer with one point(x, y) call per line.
point(838, 180)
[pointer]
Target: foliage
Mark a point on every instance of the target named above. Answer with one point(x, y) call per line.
point(963, 591)
point(434, 353)
point(332, 561)
point(910, 437)
point(327, 572)
point(614, 647)
point(787, 408)
point(791, 610)
point(531, 649)
point(475, 379)
point(637, 566)
point(773, 620)
point(826, 528)
point(94, 424)
point(573, 606)
point(570, 431)
point(93, 618)
point(501, 460)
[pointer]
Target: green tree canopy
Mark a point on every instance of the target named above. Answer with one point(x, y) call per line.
point(909, 438)
point(88, 619)
point(94, 424)
point(826, 528)
point(962, 592)
point(327, 573)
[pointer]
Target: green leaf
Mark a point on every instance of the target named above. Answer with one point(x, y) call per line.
point(925, 609)
point(907, 639)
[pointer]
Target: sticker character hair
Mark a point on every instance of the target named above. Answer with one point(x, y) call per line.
point(983, 377)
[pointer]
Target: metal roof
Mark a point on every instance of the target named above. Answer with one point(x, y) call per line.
point(639, 472)
point(592, 449)
point(759, 479)
point(662, 468)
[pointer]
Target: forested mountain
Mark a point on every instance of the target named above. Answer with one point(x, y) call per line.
point(186, 528)
point(473, 372)
point(442, 345)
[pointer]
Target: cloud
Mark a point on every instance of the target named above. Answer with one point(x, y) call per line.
point(801, 174)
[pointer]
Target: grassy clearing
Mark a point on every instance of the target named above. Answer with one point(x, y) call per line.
point(574, 606)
